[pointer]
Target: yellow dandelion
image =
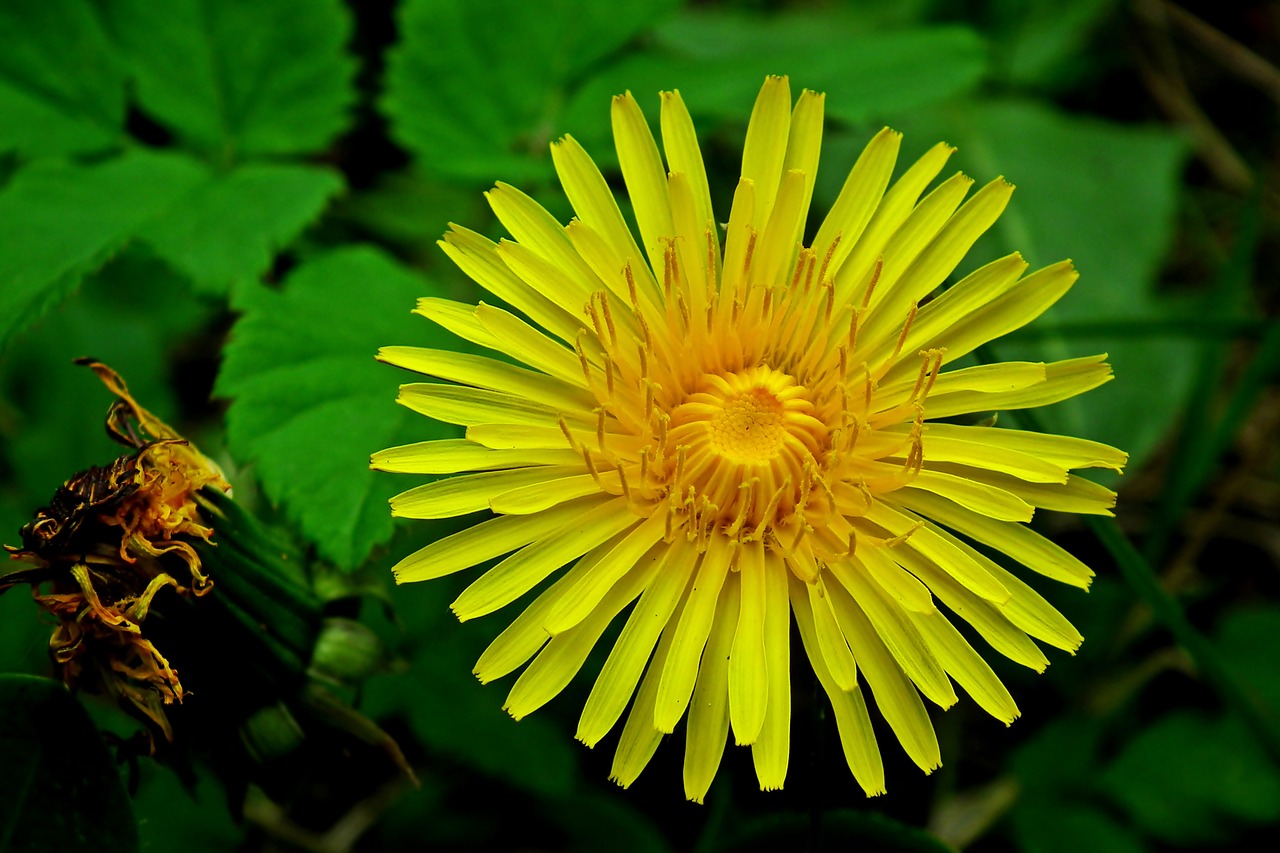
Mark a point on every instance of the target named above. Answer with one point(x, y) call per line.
point(722, 436)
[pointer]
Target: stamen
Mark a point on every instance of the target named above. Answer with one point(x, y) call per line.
point(746, 263)
point(871, 285)
point(608, 374)
point(600, 416)
point(582, 357)
point(631, 290)
point(906, 328)
point(608, 317)
point(826, 260)
point(564, 428)
point(591, 466)
point(626, 487)
point(744, 506)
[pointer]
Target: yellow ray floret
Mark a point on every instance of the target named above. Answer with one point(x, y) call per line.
point(722, 430)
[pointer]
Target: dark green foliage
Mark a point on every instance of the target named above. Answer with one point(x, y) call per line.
point(60, 789)
point(242, 196)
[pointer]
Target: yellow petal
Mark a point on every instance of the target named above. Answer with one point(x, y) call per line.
point(491, 374)
point(640, 737)
point(459, 318)
point(831, 642)
point(588, 592)
point(852, 276)
point(621, 671)
point(691, 635)
point(477, 256)
point(1076, 494)
point(593, 201)
point(931, 327)
point(951, 443)
point(561, 658)
point(987, 618)
point(857, 738)
point(772, 750)
point(1017, 307)
point(535, 349)
point(959, 562)
point(804, 146)
point(487, 540)
point(765, 147)
point(965, 665)
point(858, 199)
point(1063, 451)
point(645, 178)
point(680, 143)
point(900, 585)
point(524, 569)
point(895, 695)
point(748, 676)
point(979, 496)
point(889, 300)
point(458, 404)
point(708, 726)
point(470, 493)
point(1021, 543)
point(1063, 379)
point(544, 494)
point(896, 632)
point(452, 455)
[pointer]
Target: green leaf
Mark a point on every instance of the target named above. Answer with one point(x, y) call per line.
point(1249, 642)
point(451, 713)
point(718, 61)
point(1104, 195)
point(167, 810)
point(1044, 43)
point(310, 403)
point(59, 221)
point(1069, 827)
point(228, 229)
point(241, 77)
point(473, 88)
point(61, 82)
point(59, 789)
point(1188, 779)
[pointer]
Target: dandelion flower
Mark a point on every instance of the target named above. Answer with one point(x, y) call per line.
point(725, 429)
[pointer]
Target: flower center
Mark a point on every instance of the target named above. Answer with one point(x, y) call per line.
point(748, 428)
point(746, 447)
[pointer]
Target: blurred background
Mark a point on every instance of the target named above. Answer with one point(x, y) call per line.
point(235, 204)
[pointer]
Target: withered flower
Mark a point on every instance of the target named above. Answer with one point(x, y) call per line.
point(108, 542)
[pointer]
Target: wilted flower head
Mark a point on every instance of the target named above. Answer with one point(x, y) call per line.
point(98, 549)
point(721, 429)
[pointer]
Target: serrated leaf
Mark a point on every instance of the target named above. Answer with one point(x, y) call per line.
point(309, 403)
point(228, 229)
point(717, 61)
point(468, 87)
point(238, 77)
point(61, 83)
point(59, 789)
point(59, 221)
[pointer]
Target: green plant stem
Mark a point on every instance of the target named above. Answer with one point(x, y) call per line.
point(1142, 578)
